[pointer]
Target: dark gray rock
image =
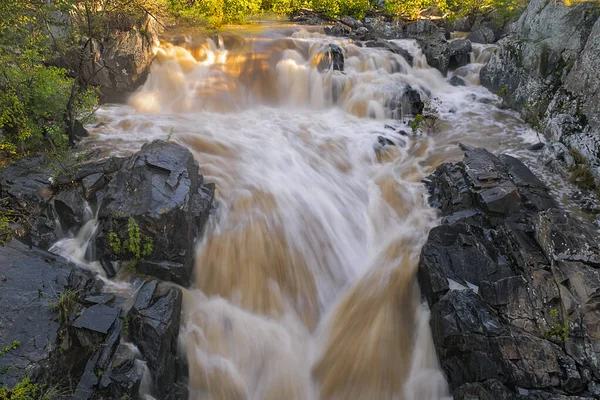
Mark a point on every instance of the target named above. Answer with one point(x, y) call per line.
point(70, 206)
point(333, 58)
point(154, 325)
point(512, 283)
point(408, 101)
point(166, 271)
point(159, 187)
point(30, 281)
point(459, 53)
point(97, 318)
point(27, 180)
point(393, 48)
point(483, 35)
point(457, 81)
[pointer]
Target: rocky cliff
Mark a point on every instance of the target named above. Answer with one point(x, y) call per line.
point(513, 283)
point(547, 69)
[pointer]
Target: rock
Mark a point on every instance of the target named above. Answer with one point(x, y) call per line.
point(70, 206)
point(166, 271)
point(342, 30)
point(536, 147)
point(383, 141)
point(30, 280)
point(408, 101)
point(556, 156)
point(421, 28)
point(483, 35)
point(98, 318)
point(393, 48)
point(333, 58)
point(27, 180)
point(545, 69)
point(79, 132)
point(435, 50)
point(154, 324)
point(120, 62)
point(457, 81)
point(161, 189)
point(459, 53)
point(511, 282)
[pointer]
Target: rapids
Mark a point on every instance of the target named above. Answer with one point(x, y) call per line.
point(305, 282)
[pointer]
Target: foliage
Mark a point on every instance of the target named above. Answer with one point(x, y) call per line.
point(557, 330)
point(64, 304)
point(137, 244)
point(37, 100)
point(27, 390)
point(12, 346)
point(581, 174)
point(115, 243)
point(5, 231)
point(416, 123)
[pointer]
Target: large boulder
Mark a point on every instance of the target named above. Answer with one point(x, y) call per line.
point(119, 62)
point(511, 282)
point(156, 205)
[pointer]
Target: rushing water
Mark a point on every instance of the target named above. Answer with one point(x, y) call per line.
point(305, 281)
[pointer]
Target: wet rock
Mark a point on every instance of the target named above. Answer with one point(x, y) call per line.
point(435, 50)
point(483, 35)
point(30, 280)
point(97, 318)
point(27, 180)
point(391, 47)
point(459, 53)
point(70, 206)
point(166, 271)
point(421, 28)
point(79, 132)
point(457, 81)
point(154, 325)
point(161, 189)
point(511, 282)
point(536, 147)
point(342, 30)
point(383, 141)
point(333, 58)
point(407, 102)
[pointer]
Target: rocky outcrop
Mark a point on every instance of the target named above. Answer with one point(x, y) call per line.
point(62, 330)
point(150, 207)
point(546, 69)
point(512, 282)
point(58, 324)
point(118, 63)
point(441, 53)
point(152, 210)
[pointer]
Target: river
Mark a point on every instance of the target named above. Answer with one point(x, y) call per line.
point(305, 282)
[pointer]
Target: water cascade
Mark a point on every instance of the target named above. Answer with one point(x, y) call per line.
point(305, 281)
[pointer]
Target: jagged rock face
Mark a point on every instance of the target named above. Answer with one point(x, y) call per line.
point(83, 343)
point(547, 69)
point(161, 189)
point(512, 282)
point(119, 63)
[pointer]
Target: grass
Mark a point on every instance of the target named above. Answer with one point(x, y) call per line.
point(580, 173)
point(64, 304)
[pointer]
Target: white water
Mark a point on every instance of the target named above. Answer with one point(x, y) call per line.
point(305, 283)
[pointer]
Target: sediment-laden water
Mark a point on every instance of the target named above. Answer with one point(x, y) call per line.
point(305, 281)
